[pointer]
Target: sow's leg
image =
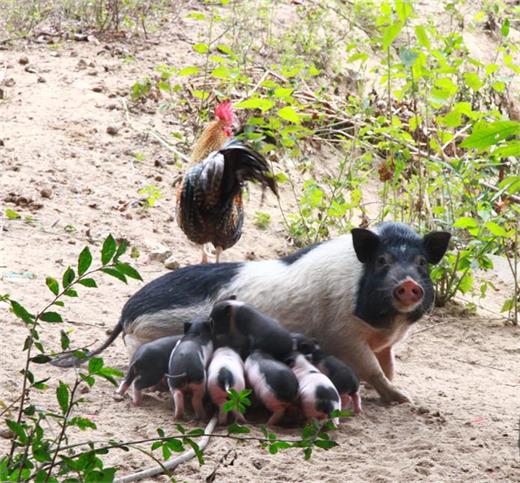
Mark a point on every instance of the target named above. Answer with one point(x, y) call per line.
point(386, 361)
point(356, 351)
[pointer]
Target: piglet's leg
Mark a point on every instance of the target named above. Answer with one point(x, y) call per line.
point(123, 387)
point(356, 401)
point(276, 416)
point(136, 396)
point(345, 401)
point(196, 401)
point(178, 401)
point(222, 415)
point(386, 361)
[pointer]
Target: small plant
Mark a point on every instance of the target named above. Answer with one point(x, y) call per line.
point(151, 193)
point(12, 214)
point(262, 220)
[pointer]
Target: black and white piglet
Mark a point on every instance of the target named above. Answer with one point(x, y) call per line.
point(359, 294)
point(148, 366)
point(187, 367)
point(273, 383)
point(317, 393)
point(343, 377)
point(225, 372)
point(259, 331)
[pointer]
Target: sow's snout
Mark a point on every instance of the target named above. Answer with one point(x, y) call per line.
point(395, 278)
point(408, 293)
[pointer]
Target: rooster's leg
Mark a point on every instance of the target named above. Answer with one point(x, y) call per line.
point(204, 254)
point(218, 252)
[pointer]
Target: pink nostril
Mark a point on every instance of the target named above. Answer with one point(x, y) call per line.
point(408, 293)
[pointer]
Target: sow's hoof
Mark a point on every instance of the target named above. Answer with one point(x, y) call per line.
point(395, 396)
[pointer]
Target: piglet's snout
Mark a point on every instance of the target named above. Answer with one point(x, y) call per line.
point(408, 293)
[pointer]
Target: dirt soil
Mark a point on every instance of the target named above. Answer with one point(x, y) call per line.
point(77, 183)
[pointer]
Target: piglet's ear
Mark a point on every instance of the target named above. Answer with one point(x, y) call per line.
point(435, 245)
point(365, 243)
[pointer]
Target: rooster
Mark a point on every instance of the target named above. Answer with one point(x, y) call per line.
point(209, 200)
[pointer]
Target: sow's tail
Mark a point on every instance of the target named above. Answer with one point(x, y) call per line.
point(68, 359)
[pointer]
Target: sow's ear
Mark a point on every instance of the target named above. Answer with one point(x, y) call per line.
point(365, 243)
point(187, 326)
point(435, 244)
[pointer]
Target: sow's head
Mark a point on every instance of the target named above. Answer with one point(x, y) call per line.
point(395, 279)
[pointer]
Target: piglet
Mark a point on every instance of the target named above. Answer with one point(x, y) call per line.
point(259, 331)
point(272, 382)
point(225, 372)
point(318, 395)
point(187, 366)
point(148, 366)
point(343, 377)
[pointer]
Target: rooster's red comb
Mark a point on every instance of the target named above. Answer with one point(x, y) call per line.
point(224, 112)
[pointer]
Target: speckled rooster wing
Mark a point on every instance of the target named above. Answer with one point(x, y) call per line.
point(209, 203)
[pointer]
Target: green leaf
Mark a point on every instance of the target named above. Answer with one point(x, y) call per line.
point(472, 80)
point(465, 222)
point(128, 270)
point(221, 72)
point(307, 453)
point(511, 148)
point(68, 277)
point(41, 359)
point(11, 214)
point(88, 282)
point(51, 317)
point(84, 261)
point(191, 70)
point(404, 9)
point(282, 92)
point(20, 311)
point(114, 273)
point(487, 134)
point(325, 444)
point(53, 285)
point(511, 184)
point(496, 229)
point(422, 37)
point(224, 49)
point(255, 103)
point(201, 48)
point(64, 340)
point(390, 33)
point(237, 429)
point(466, 283)
point(62, 395)
point(18, 429)
point(508, 305)
point(82, 423)
point(175, 445)
point(95, 364)
point(70, 293)
point(288, 113)
point(108, 250)
point(362, 56)
point(196, 449)
point(505, 28)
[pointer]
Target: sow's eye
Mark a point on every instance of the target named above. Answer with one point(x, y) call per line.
point(421, 261)
point(382, 261)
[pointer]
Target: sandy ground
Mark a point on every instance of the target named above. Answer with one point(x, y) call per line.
point(463, 372)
